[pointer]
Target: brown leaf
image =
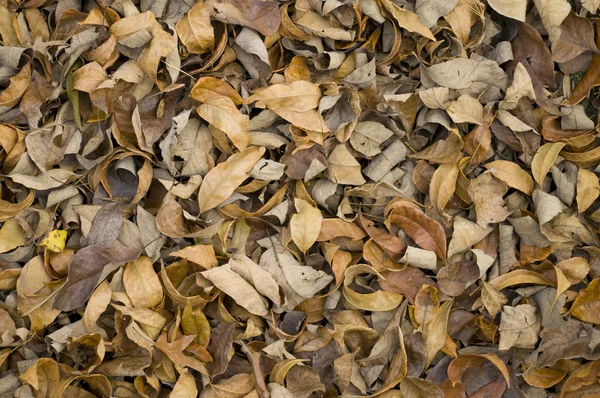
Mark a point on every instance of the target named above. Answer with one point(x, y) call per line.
point(426, 232)
point(87, 265)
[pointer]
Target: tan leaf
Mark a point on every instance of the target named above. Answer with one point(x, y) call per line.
point(466, 234)
point(262, 281)
point(436, 330)
point(511, 174)
point(407, 19)
point(209, 87)
point(220, 111)
point(588, 189)
point(487, 193)
point(203, 255)
point(185, 386)
point(305, 225)
point(343, 167)
point(220, 182)
point(519, 327)
point(521, 85)
point(142, 284)
point(11, 235)
point(232, 284)
point(544, 160)
point(514, 9)
point(442, 186)
point(492, 299)
point(195, 30)
point(466, 109)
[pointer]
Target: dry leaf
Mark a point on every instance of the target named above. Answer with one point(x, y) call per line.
point(221, 181)
point(305, 225)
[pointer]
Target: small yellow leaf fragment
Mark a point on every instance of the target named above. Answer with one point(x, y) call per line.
point(55, 241)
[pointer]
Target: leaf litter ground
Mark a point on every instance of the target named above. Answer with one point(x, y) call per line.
point(247, 198)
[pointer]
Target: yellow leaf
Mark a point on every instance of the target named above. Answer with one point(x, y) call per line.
point(55, 241)
point(518, 277)
point(544, 377)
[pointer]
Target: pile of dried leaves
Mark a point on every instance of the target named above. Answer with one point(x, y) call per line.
point(247, 198)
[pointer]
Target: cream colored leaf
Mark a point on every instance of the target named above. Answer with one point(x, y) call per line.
point(466, 234)
point(343, 167)
point(233, 285)
point(262, 280)
point(429, 11)
point(466, 109)
point(436, 97)
point(220, 182)
point(515, 9)
point(420, 258)
point(591, 5)
point(521, 87)
point(51, 179)
point(367, 137)
point(553, 13)
point(305, 225)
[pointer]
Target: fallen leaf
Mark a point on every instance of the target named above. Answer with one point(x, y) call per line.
point(305, 225)
point(221, 181)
